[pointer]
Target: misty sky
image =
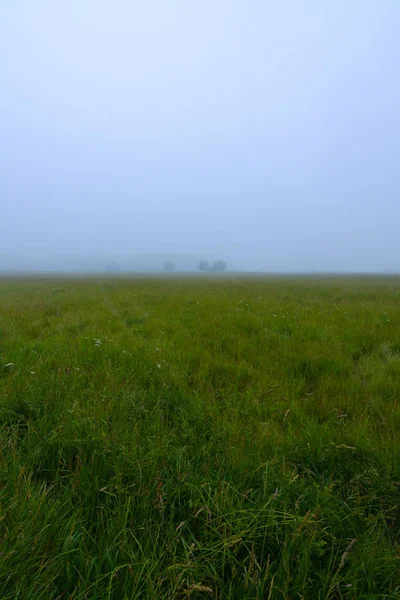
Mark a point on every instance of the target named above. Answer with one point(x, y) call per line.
point(265, 133)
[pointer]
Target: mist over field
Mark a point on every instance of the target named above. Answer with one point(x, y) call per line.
point(199, 300)
point(266, 135)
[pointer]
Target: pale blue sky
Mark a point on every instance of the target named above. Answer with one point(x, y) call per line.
point(266, 133)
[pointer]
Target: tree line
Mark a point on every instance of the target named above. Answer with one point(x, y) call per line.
point(219, 266)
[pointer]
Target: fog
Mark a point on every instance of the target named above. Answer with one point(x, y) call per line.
point(265, 134)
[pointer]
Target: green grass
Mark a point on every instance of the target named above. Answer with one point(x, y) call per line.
point(200, 438)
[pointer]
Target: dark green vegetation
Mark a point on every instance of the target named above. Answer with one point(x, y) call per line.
point(197, 438)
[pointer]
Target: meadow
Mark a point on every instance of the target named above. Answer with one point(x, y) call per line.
point(221, 437)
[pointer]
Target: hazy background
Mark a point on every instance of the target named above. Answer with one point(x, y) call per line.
point(264, 133)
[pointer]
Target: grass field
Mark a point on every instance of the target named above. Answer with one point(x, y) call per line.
point(200, 438)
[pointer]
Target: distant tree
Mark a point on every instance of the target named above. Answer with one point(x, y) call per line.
point(203, 265)
point(112, 267)
point(169, 266)
point(219, 266)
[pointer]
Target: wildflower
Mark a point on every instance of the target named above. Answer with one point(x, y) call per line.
point(32, 372)
point(159, 366)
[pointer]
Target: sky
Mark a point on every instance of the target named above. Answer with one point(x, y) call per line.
point(263, 133)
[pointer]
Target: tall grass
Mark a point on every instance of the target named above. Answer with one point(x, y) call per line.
point(221, 438)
